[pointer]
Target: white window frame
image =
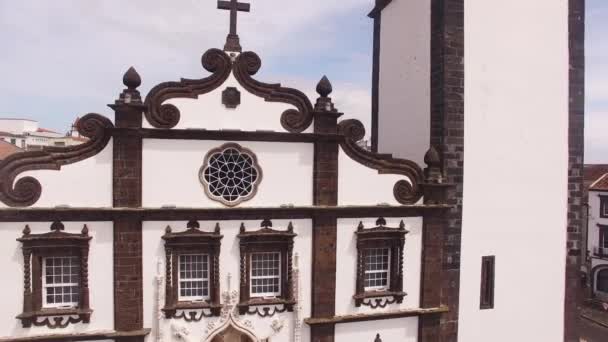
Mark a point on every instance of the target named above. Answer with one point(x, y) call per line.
point(388, 271)
point(251, 277)
point(46, 286)
point(203, 279)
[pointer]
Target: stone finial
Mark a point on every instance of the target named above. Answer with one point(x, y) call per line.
point(381, 222)
point(324, 87)
point(57, 226)
point(85, 230)
point(324, 103)
point(290, 227)
point(242, 228)
point(266, 223)
point(360, 226)
point(377, 339)
point(130, 95)
point(193, 224)
point(217, 228)
point(131, 79)
point(402, 225)
point(168, 229)
point(433, 161)
point(27, 230)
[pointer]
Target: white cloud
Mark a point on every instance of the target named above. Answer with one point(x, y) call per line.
point(596, 139)
point(73, 52)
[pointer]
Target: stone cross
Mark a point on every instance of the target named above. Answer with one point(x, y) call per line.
point(232, 41)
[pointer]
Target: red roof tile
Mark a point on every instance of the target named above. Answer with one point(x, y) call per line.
point(601, 184)
point(7, 149)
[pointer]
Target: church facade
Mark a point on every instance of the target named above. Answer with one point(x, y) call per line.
point(227, 208)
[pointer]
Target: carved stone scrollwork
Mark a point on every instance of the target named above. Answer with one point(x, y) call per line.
point(27, 190)
point(405, 192)
point(60, 322)
point(381, 302)
point(193, 316)
point(266, 311)
point(297, 120)
point(167, 115)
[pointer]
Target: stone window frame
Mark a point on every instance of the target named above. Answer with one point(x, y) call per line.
point(37, 247)
point(191, 241)
point(266, 240)
point(381, 236)
point(242, 151)
point(603, 206)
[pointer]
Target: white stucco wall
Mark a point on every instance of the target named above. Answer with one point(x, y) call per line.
point(153, 251)
point(87, 183)
point(361, 185)
point(398, 329)
point(516, 163)
point(207, 111)
point(346, 273)
point(405, 79)
point(100, 278)
point(170, 173)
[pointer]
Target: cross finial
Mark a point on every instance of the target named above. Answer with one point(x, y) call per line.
point(232, 40)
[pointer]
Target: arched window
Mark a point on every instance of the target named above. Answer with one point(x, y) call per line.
point(601, 280)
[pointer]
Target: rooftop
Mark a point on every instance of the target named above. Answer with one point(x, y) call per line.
point(601, 184)
point(7, 149)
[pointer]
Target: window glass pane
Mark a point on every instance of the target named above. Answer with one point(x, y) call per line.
point(61, 281)
point(376, 268)
point(193, 276)
point(265, 274)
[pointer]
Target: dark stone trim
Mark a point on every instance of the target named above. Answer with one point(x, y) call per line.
point(127, 231)
point(231, 97)
point(297, 120)
point(486, 293)
point(381, 237)
point(162, 115)
point(240, 213)
point(192, 240)
point(405, 192)
point(376, 316)
point(576, 143)
point(441, 272)
point(228, 135)
point(376, 79)
point(377, 10)
point(35, 248)
point(117, 336)
point(27, 190)
point(266, 239)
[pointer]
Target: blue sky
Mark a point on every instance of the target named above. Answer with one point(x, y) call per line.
point(65, 58)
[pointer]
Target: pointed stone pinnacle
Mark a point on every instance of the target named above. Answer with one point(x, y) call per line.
point(131, 79)
point(324, 87)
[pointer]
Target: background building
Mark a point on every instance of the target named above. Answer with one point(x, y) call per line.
point(28, 135)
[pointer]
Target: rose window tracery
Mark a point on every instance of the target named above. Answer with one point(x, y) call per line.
point(230, 174)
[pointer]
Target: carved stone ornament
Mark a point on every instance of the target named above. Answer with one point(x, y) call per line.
point(229, 317)
point(230, 174)
point(190, 241)
point(381, 237)
point(231, 97)
point(405, 191)
point(56, 243)
point(220, 64)
point(267, 240)
point(26, 191)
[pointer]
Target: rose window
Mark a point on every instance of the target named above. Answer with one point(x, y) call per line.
point(230, 174)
